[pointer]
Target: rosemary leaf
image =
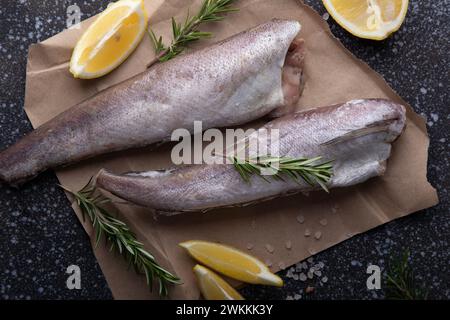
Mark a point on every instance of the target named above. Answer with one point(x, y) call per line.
point(309, 170)
point(183, 34)
point(120, 237)
point(401, 282)
point(157, 42)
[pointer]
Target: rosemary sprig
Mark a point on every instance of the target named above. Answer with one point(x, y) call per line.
point(183, 34)
point(309, 170)
point(120, 237)
point(401, 283)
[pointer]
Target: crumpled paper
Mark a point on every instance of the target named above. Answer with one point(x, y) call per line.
point(332, 75)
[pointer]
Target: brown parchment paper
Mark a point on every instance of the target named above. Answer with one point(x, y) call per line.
point(332, 75)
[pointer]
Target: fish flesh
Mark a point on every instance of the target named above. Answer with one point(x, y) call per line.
point(229, 83)
point(356, 136)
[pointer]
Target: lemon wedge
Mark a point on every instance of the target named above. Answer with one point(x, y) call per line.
point(213, 287)
point(231, 262)
point(109, 40)
point(370, 19)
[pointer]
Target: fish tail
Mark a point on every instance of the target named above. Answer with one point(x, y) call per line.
point(8, 166)
point(101, 178)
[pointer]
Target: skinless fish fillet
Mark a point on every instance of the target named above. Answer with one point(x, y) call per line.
point(357, 135)
point(232, 82)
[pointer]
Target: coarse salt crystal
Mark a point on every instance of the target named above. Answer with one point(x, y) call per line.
point(270, 248)
point(300, 218)
point(289, 245)
point(335, 208)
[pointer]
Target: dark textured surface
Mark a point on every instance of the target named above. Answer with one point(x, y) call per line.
point(40, 236)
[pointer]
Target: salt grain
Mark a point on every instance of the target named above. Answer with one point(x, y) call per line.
point(310, 275)
point(326, 16)
point(307, 233)
point(335, 208)
point(249, 246)
point(302, 277)
point(281, 265)
point(300, 218)
point(288, 245)
point(297, 297)
point(318, 235)
point(318, 273)
point(312, 251)
point(324, 279)
point(270, 248)
point(310, 260)
point(323, 222)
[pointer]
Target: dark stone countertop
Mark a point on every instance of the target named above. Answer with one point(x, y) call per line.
point(40, 236)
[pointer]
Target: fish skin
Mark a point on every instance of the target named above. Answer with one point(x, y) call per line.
point(357, 135)
point(229, 83)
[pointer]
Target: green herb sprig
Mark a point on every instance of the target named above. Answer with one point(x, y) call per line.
point(309, 170)
point(183, 34)
point(120, 237)
point(401, 283)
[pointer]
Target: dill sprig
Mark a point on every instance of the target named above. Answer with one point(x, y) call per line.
point(120, 237)
point(183, 34)
point(401, 283)
point(309, 170)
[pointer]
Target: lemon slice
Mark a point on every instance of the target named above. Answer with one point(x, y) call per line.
point(231, 262)
point(109, 40)
point(213, 287)
point(370, 19)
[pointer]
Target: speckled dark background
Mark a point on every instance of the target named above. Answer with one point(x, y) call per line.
point(40, 236)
